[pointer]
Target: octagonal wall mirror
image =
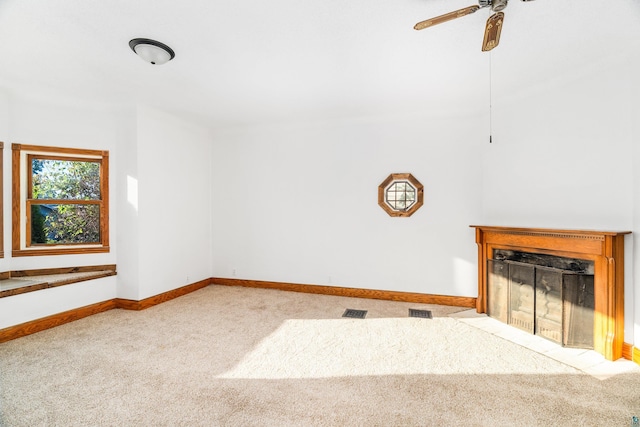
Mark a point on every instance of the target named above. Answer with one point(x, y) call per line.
point(400, 194)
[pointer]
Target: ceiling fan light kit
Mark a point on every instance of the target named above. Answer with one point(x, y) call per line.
point(494, 23)
point(497, 5)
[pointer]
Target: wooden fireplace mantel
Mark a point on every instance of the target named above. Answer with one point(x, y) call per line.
point(604, 248)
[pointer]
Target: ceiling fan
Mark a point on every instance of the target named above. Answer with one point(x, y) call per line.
point(494, 23)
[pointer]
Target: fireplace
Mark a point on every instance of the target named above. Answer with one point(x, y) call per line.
point(565, 285)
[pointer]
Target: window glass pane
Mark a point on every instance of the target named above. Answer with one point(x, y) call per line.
point(401, 195)
point(65, 223)
point(65, 179)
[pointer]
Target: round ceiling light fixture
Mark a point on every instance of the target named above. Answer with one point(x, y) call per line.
point(152, 51)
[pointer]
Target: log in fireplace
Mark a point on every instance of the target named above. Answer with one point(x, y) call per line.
point(565, 285)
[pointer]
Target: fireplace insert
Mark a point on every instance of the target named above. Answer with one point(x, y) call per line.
point(544, 295)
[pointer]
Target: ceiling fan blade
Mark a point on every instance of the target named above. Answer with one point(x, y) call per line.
point(492, 31)
point(446, 17)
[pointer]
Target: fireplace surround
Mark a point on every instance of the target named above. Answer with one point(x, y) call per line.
point(604, 249)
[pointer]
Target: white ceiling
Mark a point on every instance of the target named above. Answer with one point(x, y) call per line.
point(252, 61)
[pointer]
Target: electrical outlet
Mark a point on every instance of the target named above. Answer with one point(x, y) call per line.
point(233, 272)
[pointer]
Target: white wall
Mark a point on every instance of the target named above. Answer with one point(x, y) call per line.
point(299, 203)
point(632, 297)
point(160, 201)
point(6, 174)
point(564, 153)
point(43, 122)
point(164, 205)
point(126, 208)
point(36, 121)
point(174, 202)
point(23, 308)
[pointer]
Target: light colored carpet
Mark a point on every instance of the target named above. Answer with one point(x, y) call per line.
point(225, 356)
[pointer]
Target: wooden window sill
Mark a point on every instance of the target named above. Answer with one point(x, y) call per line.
point(20, 282)
point(57, 251)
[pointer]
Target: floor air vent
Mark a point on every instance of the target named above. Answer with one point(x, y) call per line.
point(425, 314)
point(355, 314)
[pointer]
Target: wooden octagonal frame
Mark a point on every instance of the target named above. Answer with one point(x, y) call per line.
point(395, 177)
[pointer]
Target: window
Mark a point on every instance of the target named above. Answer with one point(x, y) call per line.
point(60, 201)
point(400, 194)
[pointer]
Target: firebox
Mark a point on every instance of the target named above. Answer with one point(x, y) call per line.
point(544, 295)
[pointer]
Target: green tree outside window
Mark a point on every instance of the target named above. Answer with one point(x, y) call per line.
point(64, 200)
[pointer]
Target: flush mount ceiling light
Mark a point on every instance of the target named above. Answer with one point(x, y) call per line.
point(152, 51)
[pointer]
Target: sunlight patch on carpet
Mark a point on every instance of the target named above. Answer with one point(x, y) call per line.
point(324, 348)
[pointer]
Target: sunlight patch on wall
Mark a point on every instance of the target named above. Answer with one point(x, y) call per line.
point(132, 192)
point(313, 348)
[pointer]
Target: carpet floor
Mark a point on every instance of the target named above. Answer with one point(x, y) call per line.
point(227, 356)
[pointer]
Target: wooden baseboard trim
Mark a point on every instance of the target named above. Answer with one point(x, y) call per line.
point(128, 304)
point(468, 302)
point(54, 320)
point(627, 351)
point(18, 331)
point(630, 352)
